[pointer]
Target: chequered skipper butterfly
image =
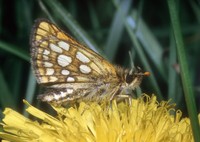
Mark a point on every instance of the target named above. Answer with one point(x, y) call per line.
point(74, 73)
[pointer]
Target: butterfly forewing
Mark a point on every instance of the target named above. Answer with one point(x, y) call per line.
point(57, 57)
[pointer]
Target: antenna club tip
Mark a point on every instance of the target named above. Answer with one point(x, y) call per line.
point(146, 73)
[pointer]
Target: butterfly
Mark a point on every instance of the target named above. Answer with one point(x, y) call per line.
point(73, 73)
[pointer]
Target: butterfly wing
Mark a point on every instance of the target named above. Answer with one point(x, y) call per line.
point(72, 71)
point(58, 58)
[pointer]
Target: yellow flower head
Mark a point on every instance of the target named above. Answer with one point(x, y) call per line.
point(144, 120)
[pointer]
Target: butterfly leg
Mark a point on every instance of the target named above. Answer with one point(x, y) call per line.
point(124, 97)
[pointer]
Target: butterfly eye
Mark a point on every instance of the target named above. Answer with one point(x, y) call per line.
point(129, 78)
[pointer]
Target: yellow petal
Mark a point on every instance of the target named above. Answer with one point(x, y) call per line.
point(143, 120)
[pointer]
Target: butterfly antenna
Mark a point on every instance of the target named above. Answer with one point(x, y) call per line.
point(132, 64)
point(133, 67)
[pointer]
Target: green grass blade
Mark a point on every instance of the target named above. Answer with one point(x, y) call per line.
point(186, 80)
point(117, 28)
point(151, 45)
point(93, 16)
point(14, 50)
point(195, 9)
point(6, 98)
point(63, 15)
point(172, 78)
point(143, 58)
point(31, 87)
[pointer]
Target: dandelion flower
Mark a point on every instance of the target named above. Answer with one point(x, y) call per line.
point(144, 120)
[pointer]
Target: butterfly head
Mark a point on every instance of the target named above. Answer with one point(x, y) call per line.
point(134, 77)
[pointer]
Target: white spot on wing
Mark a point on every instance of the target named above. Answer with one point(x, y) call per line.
point(46, 52)
point(64, 60)
point(85, 69)
point(49, 71)
point(70, 91)
point(55, 48)
point(63, 94)
point(70, 79)
point(63, 45)
point(82, 57)
point(56, 96)
point(48, 98)
point(65, 72)
point(48, 64)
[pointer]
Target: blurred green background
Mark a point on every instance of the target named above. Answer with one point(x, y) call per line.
point(112, 28)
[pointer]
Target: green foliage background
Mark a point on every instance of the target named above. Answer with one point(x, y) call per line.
point(112, 28)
